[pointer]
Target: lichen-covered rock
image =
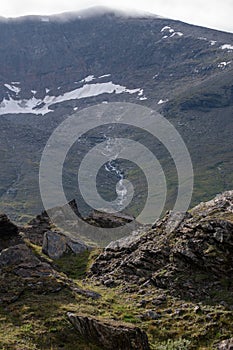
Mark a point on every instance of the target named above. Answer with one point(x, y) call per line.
point(109, 335)
point(226, 345)
point(17, 255)
point(56, 244)
point(190, 254)
point(126, 242)
point(21, 270)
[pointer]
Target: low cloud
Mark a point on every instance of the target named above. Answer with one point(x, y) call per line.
point(209, 13)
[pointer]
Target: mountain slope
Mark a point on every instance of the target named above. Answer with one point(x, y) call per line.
point(51, 67)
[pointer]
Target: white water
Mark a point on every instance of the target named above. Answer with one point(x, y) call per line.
point(112, 151)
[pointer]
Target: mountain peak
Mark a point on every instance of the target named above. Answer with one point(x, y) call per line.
point(94, 11)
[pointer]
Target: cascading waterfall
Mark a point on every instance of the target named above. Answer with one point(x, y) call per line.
point(112, 151)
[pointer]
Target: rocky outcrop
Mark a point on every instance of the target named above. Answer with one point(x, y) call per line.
point(109, 335)
point(189, 254)
point(42, 231)
point(8, 233)
point(56, 244)
point(108, 220)
point(38, 226)
point(126, 241)
point(22, 270)
point(35, 229)
point(226, 345)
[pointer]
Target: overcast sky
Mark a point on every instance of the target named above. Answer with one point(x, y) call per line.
point(209, 13)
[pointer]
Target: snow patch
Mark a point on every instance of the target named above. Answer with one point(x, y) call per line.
point(213, 42)
point(227, 47)
point(22, 106)
point(176, 33)
point(39, 106)
point(162, 101)
point(223, 64)
point(87, 79)
point(104, 76)
point(13, 88)
point(167, 29)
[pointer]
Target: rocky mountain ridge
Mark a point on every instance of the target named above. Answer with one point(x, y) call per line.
point(175, 276)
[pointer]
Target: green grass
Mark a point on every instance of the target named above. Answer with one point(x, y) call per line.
point(39, 321)
point(76, 266)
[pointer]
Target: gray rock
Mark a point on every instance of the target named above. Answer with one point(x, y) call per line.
point(180, 245)
point(56, 244)
point(87, 293)
point(174, 220)
point(17, 255)
point(226, 345)
point(109, 335)
point(151, 315)
point(126, 242)
point(222, 202)
point(161, 299)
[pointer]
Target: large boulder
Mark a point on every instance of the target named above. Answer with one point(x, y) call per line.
point(109, 335)
point(56, 244)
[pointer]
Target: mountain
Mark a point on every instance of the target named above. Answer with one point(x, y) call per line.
point(54, 66)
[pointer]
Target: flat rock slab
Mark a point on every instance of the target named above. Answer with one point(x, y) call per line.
point(109, 335)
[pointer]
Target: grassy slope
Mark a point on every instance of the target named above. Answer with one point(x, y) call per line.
point(39, 321)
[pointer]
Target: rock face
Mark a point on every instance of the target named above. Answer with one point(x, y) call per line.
point(190, 254)
point(41, 231)
point(8, 233)
point(127, 241)
point(56, 244)
point(110, 335)
point(21, 270)
point(226, 345)
point(108, 220)
point(36, 228)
